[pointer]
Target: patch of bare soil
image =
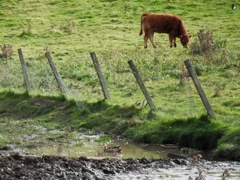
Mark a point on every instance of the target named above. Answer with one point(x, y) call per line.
point(15, 166)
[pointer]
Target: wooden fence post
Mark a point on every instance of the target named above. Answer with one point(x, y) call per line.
point(100, 75)
point(24, 70)
point(141, 84)
point(55, 72)
point(201, 93)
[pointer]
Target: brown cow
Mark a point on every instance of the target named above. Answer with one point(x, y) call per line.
point(163, 23)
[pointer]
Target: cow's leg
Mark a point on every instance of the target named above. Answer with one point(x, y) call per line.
point(152, 40)
point(145, 39)
point(171, 40)
point(175, 44)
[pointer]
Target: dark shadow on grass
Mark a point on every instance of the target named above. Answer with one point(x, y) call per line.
point(98, 116)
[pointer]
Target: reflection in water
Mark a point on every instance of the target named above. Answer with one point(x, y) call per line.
point(90, 148)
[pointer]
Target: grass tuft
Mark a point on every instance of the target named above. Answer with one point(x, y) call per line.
point(227, 151)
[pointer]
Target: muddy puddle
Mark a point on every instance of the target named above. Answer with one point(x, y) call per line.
point(143, 166)
point(86, 159)
point(16, 167)
point(90, 147)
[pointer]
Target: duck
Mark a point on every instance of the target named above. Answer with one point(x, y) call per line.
point(112, 149)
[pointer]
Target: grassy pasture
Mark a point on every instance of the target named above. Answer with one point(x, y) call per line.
point(71, 29)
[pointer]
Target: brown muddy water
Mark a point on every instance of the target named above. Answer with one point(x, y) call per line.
point(182, 170)
point(89, 147)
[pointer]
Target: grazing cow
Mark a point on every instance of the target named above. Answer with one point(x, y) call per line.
point(163, 23)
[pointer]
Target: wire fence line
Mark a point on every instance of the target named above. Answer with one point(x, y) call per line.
point(46, 79)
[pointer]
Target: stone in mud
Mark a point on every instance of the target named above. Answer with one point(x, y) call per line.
point(108, 171)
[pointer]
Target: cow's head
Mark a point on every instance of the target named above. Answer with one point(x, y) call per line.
point(185, 39)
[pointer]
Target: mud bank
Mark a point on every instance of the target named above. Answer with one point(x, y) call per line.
point(17, 166)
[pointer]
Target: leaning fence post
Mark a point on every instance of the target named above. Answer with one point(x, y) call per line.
point(24, 70)
point(100, 75)
point(55, 72)
point(201, 93)
point(141, 84)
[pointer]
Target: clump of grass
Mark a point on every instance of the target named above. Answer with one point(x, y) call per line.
point(227, 151)
point(232, 136)
point(228, 147)
point(217, 91)
point(7, 51)
point(206, 45)
point(126, 8)
point(184, 76)
point(42, 53)
point(69, 27)
point(3, 141)
point(28, 31)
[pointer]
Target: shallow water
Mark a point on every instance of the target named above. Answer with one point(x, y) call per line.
point(90, 148)
point(211, 170)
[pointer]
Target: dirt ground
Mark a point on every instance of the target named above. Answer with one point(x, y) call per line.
point(16, 166)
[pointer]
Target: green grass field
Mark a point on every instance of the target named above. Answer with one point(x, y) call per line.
point(71, 29)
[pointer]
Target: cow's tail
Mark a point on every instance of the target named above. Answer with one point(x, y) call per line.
point(142, 17)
